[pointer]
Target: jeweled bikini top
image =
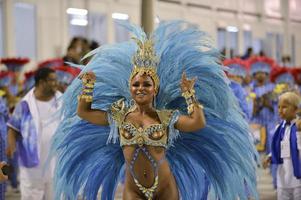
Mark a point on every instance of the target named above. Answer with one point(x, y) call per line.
point(152, 135)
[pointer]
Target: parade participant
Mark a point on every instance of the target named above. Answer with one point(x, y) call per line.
point(29, 81)
point(237, 72)
point(15, 65)
point(3, 133)
point(283, 79)
point(286, 146)
point(139, 117)
point(51, 63)
point(65, 75)
point(265, 106)
point(31, 128)
point(296, 72)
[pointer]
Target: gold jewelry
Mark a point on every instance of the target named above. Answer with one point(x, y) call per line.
point(87, 98)
point(87, 93)
point(148, 192)
point(188, 93)
point(88, 81)
point(89, 85)
point(145, 61)
point(87, 90)
point(191, 101)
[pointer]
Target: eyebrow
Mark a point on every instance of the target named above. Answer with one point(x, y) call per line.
point(147, 81)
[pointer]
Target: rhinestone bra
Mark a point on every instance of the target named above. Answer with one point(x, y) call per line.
point(153, 135)
point(129, 134)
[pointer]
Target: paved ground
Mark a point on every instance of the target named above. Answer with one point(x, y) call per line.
point(265, 188)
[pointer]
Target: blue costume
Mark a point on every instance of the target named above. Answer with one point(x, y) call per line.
point(266, 116)
point(237, 67)
point(221, 154)
point(3, 136)
point(241, 96)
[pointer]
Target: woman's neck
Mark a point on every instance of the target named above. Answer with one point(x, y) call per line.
point(144, 109)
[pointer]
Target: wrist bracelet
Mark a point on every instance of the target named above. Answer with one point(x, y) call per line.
point(87, 98)
point(191, 101)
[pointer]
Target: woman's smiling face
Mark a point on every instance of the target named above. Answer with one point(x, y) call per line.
point(142, 89)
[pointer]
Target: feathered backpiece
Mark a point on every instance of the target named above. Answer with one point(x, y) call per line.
point(282, 75)
point(237, 67)
point(296, 72)
point(220, 155)
point(260, 64)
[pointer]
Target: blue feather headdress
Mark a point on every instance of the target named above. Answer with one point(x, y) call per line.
point(220, 155)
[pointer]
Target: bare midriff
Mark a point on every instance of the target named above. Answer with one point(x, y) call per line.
point(144, 171)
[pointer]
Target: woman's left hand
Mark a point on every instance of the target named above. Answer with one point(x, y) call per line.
point(187, 84)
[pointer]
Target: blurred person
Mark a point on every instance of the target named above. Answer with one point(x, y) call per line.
point(77, 48)
point(3, 133)
point(94, 45)
point(286, 147)
point(248, 54)
point(296, 72)
point(15, 66)
point(261, 53)
point(51, 63)
point(265, 105)
point(286, 61)
point(72, 55)
point(30, 129)
point(7, 104)
point(65, 75)
point(237, 71)
point(283, 79)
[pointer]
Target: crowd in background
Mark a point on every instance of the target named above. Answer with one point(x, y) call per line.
point(15, 85)
point(256, 80)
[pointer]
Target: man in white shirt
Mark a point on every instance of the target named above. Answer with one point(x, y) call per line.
point(31, 128)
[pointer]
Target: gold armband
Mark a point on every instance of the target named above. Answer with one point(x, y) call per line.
point(189, 93)
point(89, 85)
point(86, 90)
point(87, 98)
point(190, 108)
point(191, 100)
point(87, 93)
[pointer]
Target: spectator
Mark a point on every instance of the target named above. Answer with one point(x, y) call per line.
point(31, 127)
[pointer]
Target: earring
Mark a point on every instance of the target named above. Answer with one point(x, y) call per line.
point(154, 102)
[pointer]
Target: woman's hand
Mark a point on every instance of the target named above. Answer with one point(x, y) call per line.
point(187, 84)
point(88, 77)
point(84, 109)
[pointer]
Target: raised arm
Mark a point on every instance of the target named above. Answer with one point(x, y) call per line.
point(84, 109)
point(195, 119)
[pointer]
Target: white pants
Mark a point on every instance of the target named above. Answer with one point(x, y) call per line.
point(289, 193)
point(36, 190)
